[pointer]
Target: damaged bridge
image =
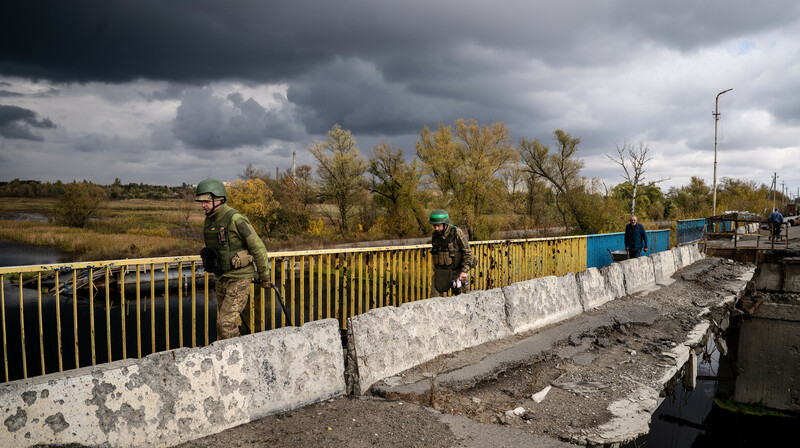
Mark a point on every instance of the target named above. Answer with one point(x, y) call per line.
point(580, 359)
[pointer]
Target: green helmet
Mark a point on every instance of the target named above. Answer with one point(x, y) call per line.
point(439, 216)
point(210, 189)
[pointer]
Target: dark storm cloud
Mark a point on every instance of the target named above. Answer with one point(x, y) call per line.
point(19, 123)
point(50, 92)
point(200, 40)
point(207, 121)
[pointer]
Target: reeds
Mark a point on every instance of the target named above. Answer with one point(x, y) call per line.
point(89, 244)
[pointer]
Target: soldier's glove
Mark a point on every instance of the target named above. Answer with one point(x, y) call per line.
point(266, 284)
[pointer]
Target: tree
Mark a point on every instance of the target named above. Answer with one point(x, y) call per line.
point(79, 201)
point(251, 172)
point(464, 161)
point(255, 200)
point(561, 170)
point(742, 195)
point(395, 182)
point(633, 168)
point(691, 201)
point(341, 169)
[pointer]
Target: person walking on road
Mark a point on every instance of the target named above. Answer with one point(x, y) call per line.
point(635, 238)
point(234, 254)
point(452, 256)
point(776, 221)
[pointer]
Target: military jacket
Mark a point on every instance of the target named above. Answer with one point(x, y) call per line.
point(452, 255)
point(230, 233)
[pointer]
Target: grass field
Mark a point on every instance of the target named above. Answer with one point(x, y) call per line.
point(132, 228)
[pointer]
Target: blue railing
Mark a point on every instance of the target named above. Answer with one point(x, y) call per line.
point(599, 245)
point(691, 230)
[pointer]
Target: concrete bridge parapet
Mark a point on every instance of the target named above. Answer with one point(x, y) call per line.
point(179, 395)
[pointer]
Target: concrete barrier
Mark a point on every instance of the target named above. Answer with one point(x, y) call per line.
point(542, 301)
point(386, 341)
point(663, 267)
point(685, 256)
point(676, 255)
point(615, 279)
point(638, 274)
point(594, 288)
point(171, 397)
point(694, 253)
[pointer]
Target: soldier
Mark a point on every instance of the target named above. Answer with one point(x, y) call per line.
point(232, 249)
point(452, 256)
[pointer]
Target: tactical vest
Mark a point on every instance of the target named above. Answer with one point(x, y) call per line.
point(217, 236)
point(445, 252)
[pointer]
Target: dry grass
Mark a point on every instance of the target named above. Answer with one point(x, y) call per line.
point(92, 245)
point(125, 229)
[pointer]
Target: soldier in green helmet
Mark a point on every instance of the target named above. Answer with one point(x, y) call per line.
point(452, 256)
point(233, 252)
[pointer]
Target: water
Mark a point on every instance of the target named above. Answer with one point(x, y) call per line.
point(17, 254)
point(693, 419)
point(77, 315)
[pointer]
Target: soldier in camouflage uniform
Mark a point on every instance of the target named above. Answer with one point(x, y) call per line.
point(234, 253)
point(452, 256)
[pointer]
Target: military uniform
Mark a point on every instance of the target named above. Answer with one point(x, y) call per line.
point(241, 255)
point(452, 255)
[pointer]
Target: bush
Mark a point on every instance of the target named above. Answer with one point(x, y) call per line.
point(78, 203)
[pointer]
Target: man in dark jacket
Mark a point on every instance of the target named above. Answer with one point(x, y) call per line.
point(776, 221)
point(635, 238)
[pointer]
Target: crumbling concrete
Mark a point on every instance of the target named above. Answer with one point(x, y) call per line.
point(178, 395)
point(768, 358)
point(388, 340)
point(639, 275)
point(542, 301)
point(595, 289)
point(636, 375)
point(663, 267)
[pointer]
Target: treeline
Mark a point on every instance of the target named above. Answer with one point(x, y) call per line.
point(486, 181)
point(117, 190)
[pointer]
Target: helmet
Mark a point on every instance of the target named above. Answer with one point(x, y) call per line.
point(439, 216)
point(210, 189)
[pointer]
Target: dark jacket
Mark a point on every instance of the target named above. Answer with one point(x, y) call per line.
point(635, 237)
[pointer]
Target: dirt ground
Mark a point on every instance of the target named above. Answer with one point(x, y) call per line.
point(585, 372)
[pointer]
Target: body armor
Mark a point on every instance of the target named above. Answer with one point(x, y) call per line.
point(447, 258)
point(227, 244)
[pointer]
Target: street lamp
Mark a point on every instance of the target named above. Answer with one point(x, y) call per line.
point(716, 119)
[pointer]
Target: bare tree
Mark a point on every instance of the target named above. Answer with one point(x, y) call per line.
point(251, 172)
point(561, 170)
point(632, 160)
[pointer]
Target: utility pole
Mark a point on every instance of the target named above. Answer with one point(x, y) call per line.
point(716, 119)
point(294, 163)
point(774, 187)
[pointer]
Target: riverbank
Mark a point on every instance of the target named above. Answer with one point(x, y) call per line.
point(135, 228)
point(86, 245)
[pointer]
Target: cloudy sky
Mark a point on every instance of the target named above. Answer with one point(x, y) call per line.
point(166, 92)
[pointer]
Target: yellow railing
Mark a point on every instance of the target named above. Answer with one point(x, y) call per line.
point(95, 312)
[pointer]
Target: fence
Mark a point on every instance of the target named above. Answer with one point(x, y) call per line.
point(63, 316)
point(599, 245)
point(690, 230)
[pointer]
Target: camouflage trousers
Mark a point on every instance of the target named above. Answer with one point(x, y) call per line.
point(232, 296)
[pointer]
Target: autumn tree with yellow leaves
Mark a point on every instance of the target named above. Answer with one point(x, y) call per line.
point(464, 162)
point(255, 200)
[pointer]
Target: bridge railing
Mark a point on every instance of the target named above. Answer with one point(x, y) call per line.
point(690, 230)
point(63, 316)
